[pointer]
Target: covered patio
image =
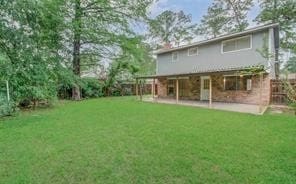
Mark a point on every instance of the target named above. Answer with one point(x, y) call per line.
point(224, 89)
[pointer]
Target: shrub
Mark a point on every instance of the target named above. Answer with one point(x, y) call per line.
point(293, 105)
point(91, 88)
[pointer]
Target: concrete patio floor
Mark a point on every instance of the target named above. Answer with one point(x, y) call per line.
point(236, 107)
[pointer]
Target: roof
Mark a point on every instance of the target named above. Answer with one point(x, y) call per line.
point(196, 72)
point(226, 36)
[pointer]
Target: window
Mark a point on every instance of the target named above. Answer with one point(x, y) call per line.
point(175, 56)
point(237, 44)
point(206, 84)
point(192, 51)
point(183, 88)
point(171, 87)
point(240, 83)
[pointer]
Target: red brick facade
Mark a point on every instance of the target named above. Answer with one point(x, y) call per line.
point(189, 88)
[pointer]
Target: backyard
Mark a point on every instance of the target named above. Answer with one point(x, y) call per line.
point(122, 140)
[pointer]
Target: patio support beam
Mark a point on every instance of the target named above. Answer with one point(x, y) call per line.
point(177, 90)
point(210, 92)
point(153, 88)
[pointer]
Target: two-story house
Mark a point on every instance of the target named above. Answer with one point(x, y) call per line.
point(216, 69)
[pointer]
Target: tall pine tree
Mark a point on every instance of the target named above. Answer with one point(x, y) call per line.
point(225, 16)
point(171, 28)
point(238, 10)
point(214, 23)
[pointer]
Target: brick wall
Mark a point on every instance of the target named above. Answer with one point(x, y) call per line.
point(162, 87)
point(190, 89)
point(249, 97)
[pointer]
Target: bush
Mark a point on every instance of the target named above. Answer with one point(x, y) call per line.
point(293, 105)
point(91, 88)
point(115, 92)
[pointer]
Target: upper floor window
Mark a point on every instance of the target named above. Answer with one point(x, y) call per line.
point(192, 51)
point(237, 44)
point(175, 56)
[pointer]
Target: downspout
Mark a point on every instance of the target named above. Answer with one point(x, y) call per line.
point(271, 53)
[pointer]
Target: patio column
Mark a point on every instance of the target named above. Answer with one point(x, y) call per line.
point(153, 89)
point(210, 92)
point(177, 90)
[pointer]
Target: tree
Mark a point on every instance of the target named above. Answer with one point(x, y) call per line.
point(100, 29)
point(171, 28)
point(29, 45)
point(134, 60)
point(290, 66)
point(214, 23)
point(77, 30)
point(236, 11)
point(284, 13)
point(45, 44)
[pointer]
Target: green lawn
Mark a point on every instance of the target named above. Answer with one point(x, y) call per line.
point(121, 140)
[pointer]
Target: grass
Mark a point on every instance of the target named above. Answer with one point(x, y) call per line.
point(120, 140)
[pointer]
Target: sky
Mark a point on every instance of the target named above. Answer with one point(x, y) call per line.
point(197, 8)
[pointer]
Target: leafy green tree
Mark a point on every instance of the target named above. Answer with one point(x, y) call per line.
point(28, 42)
point(134, 60)
point(171, 28)
point(44, 44)
point(291, 65)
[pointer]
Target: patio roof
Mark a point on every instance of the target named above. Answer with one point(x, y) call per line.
point(198, 72)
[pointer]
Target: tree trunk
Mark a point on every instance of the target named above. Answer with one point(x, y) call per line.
point(76, 50)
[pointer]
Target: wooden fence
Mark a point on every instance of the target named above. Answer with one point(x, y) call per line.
point(278, 95)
